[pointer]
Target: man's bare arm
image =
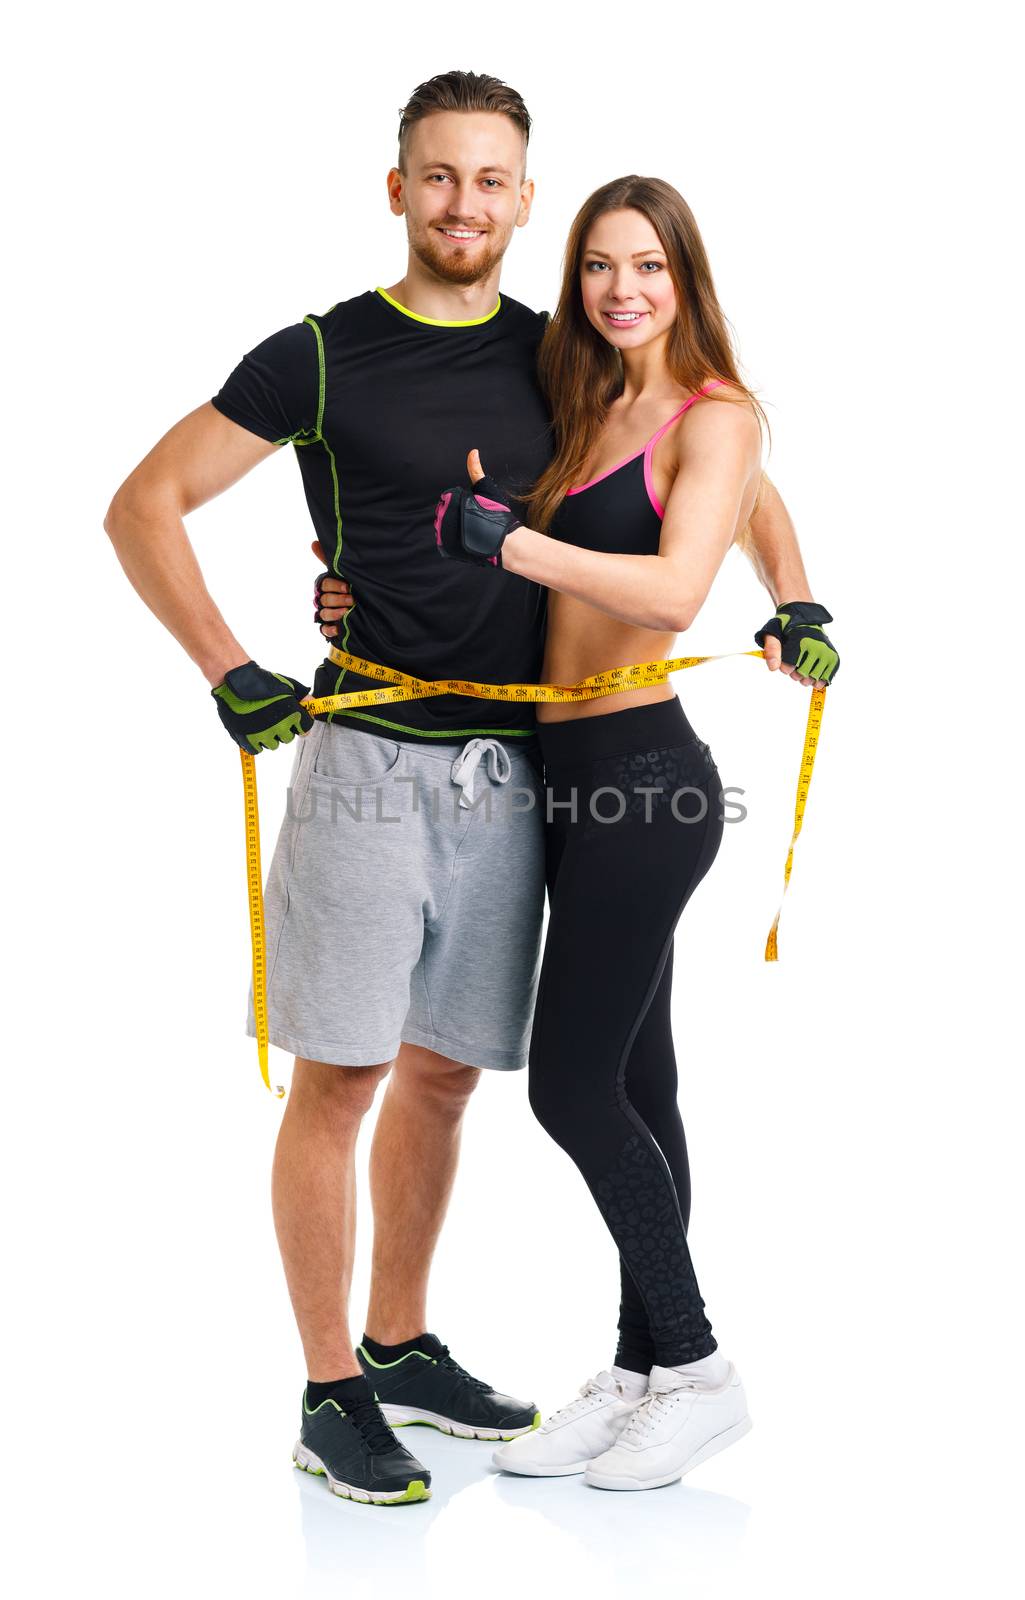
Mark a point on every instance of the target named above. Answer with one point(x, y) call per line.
point(202, 455)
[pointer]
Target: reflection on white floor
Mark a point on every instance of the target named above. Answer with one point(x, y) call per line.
point(514, 1535)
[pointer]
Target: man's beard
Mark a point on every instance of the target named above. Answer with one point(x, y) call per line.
point(456, 268)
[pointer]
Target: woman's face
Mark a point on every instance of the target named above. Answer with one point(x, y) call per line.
point(627, 291)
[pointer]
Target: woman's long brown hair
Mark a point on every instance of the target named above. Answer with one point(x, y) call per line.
point(581, 373)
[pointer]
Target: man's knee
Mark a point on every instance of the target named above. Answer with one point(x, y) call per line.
point(446, 1083)
point(342, 1093)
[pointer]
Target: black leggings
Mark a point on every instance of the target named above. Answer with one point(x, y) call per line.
point(602, 1067)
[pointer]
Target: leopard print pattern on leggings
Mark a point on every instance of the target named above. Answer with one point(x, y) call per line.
point(633, 776)
point(638, 1202)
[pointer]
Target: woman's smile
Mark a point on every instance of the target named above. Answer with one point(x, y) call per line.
point(624, 319)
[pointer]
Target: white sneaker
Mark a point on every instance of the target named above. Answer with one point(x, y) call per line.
point(570, 1438)
point(674, 1428)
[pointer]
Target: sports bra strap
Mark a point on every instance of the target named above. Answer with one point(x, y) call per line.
point(649, 448)
point(717, 383)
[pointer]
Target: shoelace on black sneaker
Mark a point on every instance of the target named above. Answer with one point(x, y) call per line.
point(450, 1364)
point(370, 1420)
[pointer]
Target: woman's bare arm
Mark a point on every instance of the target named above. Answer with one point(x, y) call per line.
point(665, 592)
point(772, 549)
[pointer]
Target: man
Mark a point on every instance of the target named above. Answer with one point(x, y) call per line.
point(403, 951)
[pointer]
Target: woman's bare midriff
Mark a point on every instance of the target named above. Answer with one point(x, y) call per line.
point(582, 641)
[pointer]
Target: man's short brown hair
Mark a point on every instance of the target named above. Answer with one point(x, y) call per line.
point(461, 91)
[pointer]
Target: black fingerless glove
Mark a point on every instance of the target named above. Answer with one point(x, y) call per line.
point(473, 524)
point(261, 709)
point(798, 628)
point(318, 595)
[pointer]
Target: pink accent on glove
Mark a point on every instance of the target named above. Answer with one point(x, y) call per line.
point(490, 505)
point(439, 515)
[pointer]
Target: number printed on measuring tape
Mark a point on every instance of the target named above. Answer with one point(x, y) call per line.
point(401, 686)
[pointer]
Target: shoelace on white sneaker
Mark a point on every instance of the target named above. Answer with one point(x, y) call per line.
point(592, 1394)
point(655, 1406)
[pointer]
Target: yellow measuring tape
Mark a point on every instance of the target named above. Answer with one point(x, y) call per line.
point(404, 687)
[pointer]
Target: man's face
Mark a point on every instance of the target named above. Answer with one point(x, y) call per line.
point(463, 192)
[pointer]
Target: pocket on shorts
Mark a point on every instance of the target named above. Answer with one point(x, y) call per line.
point(347, 836)
point(346, 759)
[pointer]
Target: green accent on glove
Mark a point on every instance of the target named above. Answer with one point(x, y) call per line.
point(238, 704)
point(817, 658)
point(257, 714)
point(797, 625)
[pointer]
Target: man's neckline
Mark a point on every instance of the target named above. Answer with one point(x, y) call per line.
point(440, 322)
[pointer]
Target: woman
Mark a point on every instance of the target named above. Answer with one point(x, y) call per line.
point(656, 472)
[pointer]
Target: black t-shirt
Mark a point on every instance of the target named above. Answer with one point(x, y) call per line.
point(382, 407)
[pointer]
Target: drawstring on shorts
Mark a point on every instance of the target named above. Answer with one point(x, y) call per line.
point(470, 757)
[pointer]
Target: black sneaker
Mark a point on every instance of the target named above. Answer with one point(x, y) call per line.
point(359, 1455)
point(428, 1386)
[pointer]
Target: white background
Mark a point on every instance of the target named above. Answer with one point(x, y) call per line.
point(182, 181)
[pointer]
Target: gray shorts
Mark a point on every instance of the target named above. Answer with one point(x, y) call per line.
point(404, 900)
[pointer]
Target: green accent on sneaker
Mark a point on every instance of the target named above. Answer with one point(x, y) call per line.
point(328, 1402)
point(537, 1420)
point(382, 1366)
point(416, 1490)
point(450, 1433)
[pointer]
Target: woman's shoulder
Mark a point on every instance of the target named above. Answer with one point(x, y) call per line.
point(719, 411)
point(722, 389)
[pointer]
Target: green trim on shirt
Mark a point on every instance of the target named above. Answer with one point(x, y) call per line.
point(447, 733)
point(439, 322)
